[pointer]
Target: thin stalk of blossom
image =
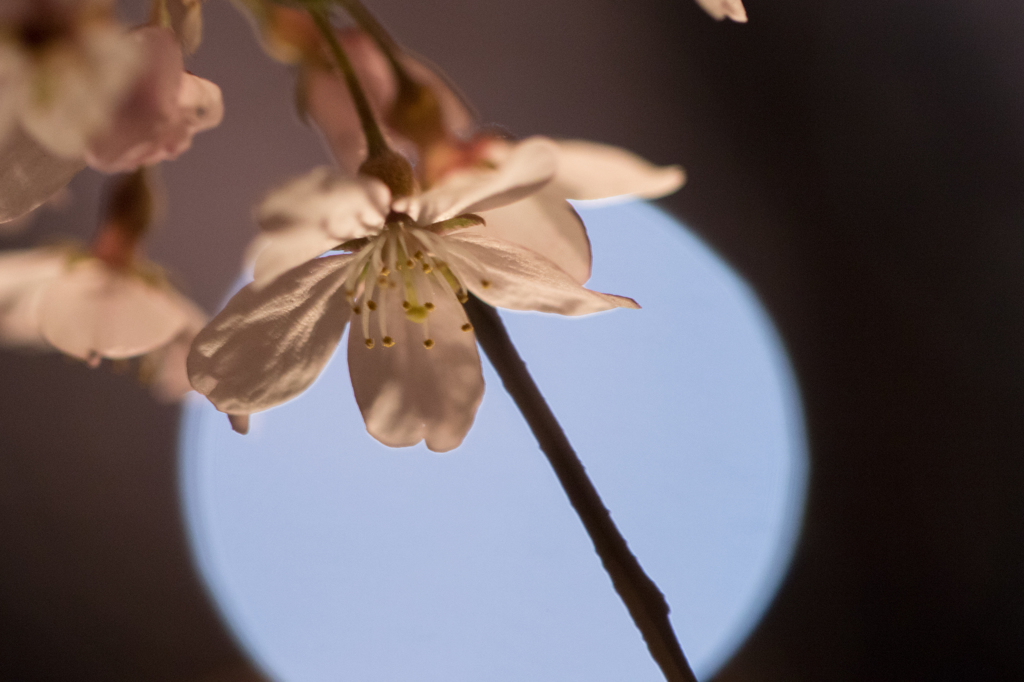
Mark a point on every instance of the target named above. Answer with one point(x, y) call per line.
point(642, 598)
point(375, 142)
point(417, 111)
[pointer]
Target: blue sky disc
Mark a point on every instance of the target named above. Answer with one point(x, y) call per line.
point(335, 558)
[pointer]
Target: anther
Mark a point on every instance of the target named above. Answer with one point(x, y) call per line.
point(467, 327)
point(428, 305)
point(369, 343)
point(356, 309)
point(462, 296)
point(371, 305)
point(485, 283)
point(384, 272)
point(409, 263)
point(418, 255)
point(388, 341)
point(406, 305)
point(429, 343)
point(426, 268)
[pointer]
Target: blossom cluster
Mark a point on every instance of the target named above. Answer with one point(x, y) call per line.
point(422, 209)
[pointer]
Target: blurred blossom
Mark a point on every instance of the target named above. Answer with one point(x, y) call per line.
point(65, 65)
point(721, 9)
point(409, 264)
point(163, 110)
point(67, 299)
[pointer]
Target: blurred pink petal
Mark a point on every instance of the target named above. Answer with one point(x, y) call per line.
point(29, 174)
point(64, 90)
point(24, 275)
point(407, 392)
point(164, 368)
point(165, 108)
point(721, 9)
point(92, 311)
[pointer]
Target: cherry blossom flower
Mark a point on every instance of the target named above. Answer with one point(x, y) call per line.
point(544, 221)
point(64, 67)
point(408, 264)
point(722, 9)
point(64, 298)
point(154, 120)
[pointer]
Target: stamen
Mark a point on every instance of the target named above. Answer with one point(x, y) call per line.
point(485, 283)
point(369, 343)
point(418, 255)
point(371, 305)
point(356, 309)
point(428, 343)
point(428, 305)
point(388, 341)
point(406, 305)
point(427, 268)
point(467, 327)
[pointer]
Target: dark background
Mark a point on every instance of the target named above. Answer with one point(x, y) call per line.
point(861, 163)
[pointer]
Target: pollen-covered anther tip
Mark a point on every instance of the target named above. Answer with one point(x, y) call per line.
point(387, 341)
point(428, 305)
point(467, 327)
point(369, 343)
point(462, 296)
point(357, 309)
point(409, 263)
point(406, 305)
point(428, 343)
point(371, 305)
point(384, 272)
point(418, 255)
point(427, 269)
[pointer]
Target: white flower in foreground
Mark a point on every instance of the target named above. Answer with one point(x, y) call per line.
point(410, 264)
point(64, 67)
point(721, 9)
point(63, 298)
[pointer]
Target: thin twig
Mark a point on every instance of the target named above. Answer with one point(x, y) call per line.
point(643, 599)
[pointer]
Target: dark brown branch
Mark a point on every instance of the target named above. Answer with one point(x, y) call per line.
point(642, 597)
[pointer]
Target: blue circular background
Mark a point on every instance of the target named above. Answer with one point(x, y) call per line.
point(335, 558)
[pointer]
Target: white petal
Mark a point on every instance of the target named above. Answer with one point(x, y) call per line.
point(29, 174)
point(720, 9)
point(528, 166)
point(544, 223)
point(509, 276)
point(408, 393)
point(93, 311)
point(24, 275)
point(312, 214)
point(280, 251)
point(587, 170)
point(268, 345)
point(342, 208)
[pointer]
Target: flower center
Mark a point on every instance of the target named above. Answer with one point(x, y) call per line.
point(402, 267)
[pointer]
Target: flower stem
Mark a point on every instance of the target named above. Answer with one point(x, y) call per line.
point(642, 598)
point(376, 145)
